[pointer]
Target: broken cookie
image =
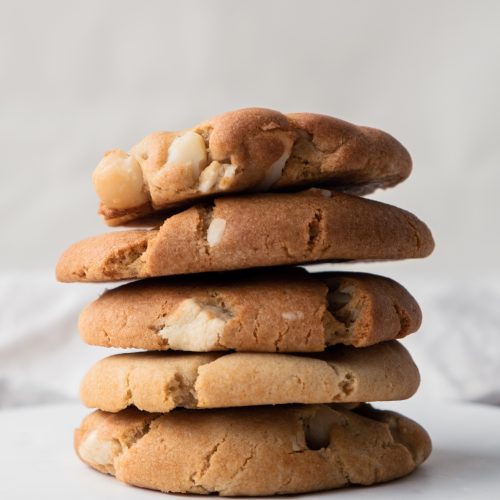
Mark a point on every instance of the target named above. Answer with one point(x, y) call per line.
point(246, 150)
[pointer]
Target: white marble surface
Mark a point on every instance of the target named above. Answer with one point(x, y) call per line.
point(37, 459)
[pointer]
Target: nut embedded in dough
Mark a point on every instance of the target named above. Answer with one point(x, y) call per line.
point(215, 231)
point(98, 451)
point(118, 181)
point(194, 327)
point(276, 169)
point(188, 152)
point(228, 173)
point(218, 175)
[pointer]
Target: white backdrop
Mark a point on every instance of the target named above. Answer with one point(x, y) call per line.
point(78, 78)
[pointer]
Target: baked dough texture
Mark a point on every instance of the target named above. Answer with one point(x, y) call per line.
point(252, 451)
point(252, 231)
point(252, 150)
point(275, 311)
point(160, 382)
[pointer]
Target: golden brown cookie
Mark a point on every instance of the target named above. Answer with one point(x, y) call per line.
point(160, 382)
point(273, 311)
point(252, 231)
point(252, 451)
point(246, 150)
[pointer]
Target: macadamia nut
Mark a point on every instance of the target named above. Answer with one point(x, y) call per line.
point(188, 152)
point(194, 327)
point(118, 181)
point(99, 451)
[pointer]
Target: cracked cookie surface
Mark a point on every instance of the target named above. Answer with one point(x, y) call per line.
point(252, 231)
point(246, 150)
point(232, 451)
point(160, 382)
point(277, 311)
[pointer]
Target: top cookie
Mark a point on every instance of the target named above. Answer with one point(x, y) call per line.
point(246, 150)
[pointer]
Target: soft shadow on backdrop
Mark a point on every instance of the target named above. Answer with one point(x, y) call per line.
point(79, 78)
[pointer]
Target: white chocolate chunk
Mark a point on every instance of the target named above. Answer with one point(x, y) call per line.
point(216, 175)
point(210, 176)
point(118, 181)
point(187, 151)
point(194, 327)
point(229, 170)
point(215, 231)
point(276, 169)
point(99, 451)
point(292, 316)
point(227, 177)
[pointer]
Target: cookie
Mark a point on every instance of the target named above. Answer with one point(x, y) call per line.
point(274, 311)
point(160, 382)
point(252, 451)
point(246, 150)
point(252, 231)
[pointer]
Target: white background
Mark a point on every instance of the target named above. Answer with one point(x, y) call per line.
point(78, 78)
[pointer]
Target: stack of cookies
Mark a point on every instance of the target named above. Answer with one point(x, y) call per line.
point(254, 377)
